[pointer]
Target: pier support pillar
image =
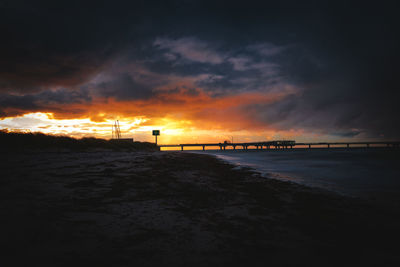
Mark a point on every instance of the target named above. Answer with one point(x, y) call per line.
point(181, 148)
point(234, 147)
point(367, 145)
point(224, 147)
point(328, 145)
point(204, 148)
point(309, 146)
point(348, 145)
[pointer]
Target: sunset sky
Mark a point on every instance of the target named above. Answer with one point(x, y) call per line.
point(201, 71)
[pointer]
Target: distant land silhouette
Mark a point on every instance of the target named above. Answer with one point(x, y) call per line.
point(14, 141)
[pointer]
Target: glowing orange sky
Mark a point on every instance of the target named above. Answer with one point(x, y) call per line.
point(180, 117)
point(139, 128)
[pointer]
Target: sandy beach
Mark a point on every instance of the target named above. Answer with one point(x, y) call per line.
point(110, 208)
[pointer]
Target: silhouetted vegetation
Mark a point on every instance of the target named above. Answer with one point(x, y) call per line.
point(14, 141)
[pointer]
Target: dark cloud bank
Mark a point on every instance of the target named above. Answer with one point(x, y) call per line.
point(339, 59)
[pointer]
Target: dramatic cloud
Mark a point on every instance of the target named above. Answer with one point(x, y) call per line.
point(266, 65)
point(189, 49)
point(11, 105)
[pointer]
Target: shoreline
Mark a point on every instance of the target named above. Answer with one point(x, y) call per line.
point(370, 174)
point(173, 208)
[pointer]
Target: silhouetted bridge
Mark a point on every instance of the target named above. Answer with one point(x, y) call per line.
point(283, 144)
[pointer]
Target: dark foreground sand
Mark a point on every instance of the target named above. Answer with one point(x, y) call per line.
point(178, 209)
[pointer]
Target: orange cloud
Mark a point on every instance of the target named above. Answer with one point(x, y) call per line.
point(181, 114)
point(205, 111)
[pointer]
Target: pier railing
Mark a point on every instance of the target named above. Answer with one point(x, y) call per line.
point(284, 144)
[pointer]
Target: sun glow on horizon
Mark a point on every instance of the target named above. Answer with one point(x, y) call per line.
point(173, 131)
point(82, 127)
point(135, 127)
point(139, 128)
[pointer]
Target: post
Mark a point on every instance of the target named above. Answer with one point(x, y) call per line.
point(181, 147)
point(309, 146)
point(328, 145)
point(204, 148)
point(348, 145)
point(156, 133)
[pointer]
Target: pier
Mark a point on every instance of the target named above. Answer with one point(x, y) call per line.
point(284, 144)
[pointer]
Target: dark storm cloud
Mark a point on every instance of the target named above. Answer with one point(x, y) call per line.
point(124, 87)
point(11, 105)
point(339, 59)
point(55, 43)
point(221, 70)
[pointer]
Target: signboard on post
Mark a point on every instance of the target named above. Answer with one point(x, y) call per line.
point(156, 133)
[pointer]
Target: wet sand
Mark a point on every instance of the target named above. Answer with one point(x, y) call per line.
point(109, 208)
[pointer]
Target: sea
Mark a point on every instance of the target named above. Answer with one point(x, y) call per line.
point(359, 172)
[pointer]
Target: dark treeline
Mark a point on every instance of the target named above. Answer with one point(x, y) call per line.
point(16, 141)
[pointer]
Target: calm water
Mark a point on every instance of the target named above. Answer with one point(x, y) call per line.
point(356, 172)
